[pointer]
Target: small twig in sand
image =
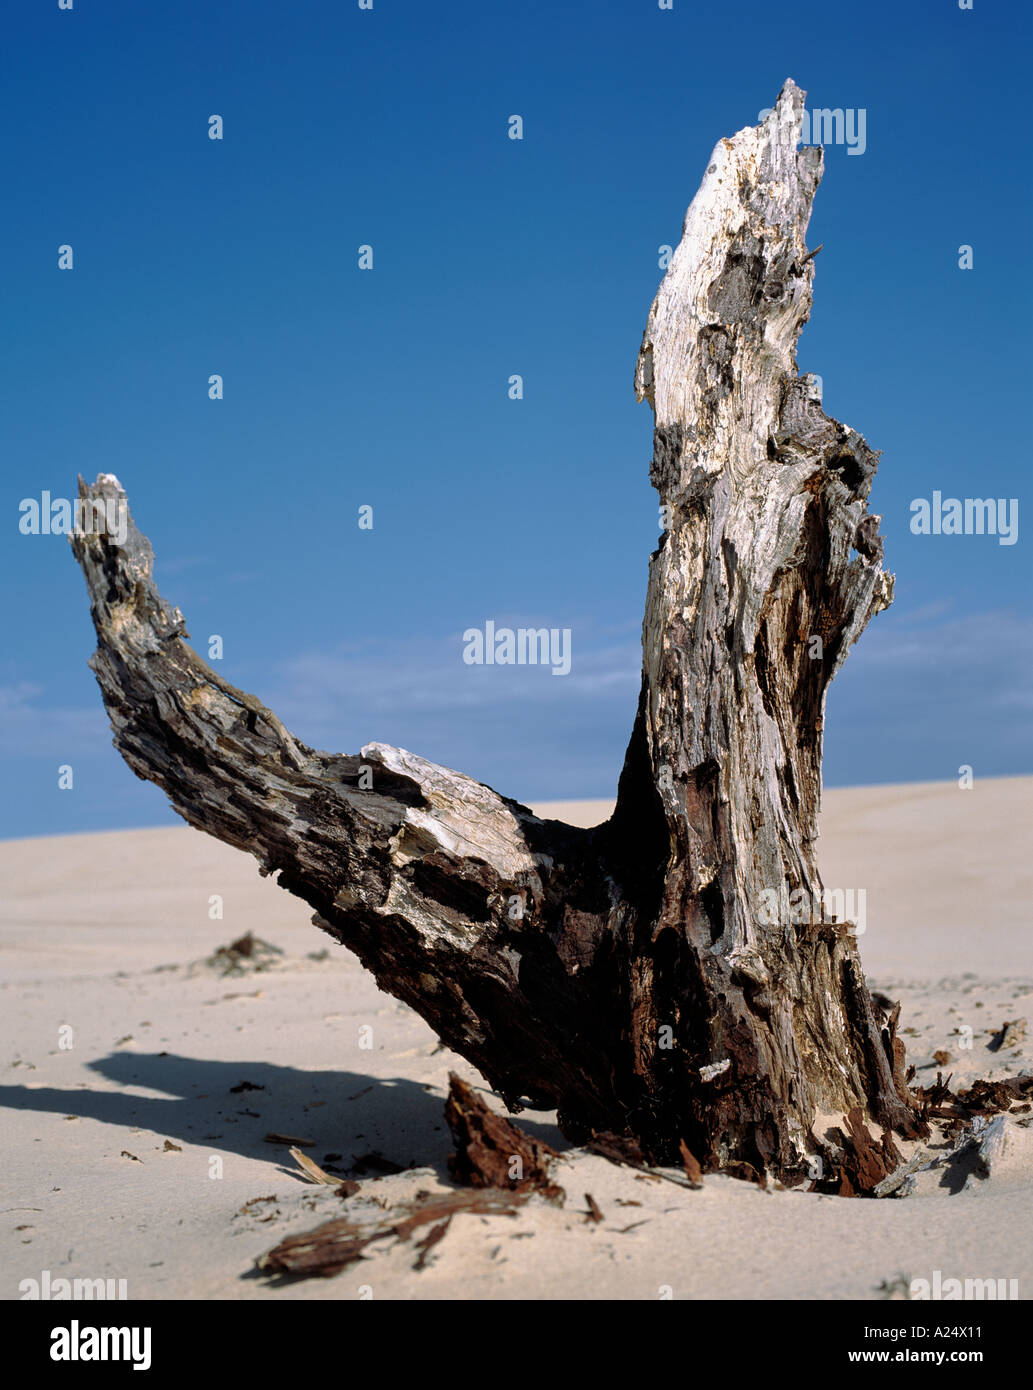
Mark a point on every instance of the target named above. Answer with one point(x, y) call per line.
point(313, 1169)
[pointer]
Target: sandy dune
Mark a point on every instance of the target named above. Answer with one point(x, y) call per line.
point(118, 1043)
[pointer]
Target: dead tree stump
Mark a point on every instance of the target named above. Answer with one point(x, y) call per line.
point(652, 977)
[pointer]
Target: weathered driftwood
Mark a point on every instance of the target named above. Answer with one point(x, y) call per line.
point(334, 1245)
point(652, 977)
point(491, 1151)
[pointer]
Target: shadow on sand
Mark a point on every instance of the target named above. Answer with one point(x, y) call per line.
point(345, 1113)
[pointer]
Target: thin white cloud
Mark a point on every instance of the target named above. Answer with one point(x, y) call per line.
point(29, 728)
point(429, 675)
point(992, 652)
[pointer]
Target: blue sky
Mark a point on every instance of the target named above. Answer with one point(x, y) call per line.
point(390, 387)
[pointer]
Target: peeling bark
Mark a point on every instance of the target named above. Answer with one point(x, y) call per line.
point(491, 1151)
point(333, 1246)
point(649, 978)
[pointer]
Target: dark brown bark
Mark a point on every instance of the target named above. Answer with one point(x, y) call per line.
point(491, 1151)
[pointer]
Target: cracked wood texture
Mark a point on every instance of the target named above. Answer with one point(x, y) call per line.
point(646, 977)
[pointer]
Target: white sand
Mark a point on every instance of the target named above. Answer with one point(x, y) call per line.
point(98, 933)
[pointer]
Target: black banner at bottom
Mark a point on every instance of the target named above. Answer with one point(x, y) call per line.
point(265, 1338)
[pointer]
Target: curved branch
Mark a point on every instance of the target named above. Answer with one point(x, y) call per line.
point(420, 870)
